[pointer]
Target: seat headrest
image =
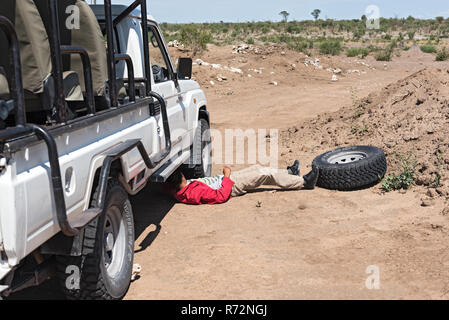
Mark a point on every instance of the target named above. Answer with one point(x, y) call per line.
point(88, 36)
point(33, 43)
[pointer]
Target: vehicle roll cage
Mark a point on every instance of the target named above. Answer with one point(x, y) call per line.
point(23, 129)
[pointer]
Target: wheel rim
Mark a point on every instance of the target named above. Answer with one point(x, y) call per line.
point(346, 157)
point(114, 241)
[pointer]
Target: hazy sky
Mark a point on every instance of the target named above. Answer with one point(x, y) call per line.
point(182, 11)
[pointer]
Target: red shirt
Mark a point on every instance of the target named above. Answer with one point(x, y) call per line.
point(197, 192)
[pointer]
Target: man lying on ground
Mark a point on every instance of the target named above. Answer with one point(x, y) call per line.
point(220, 188)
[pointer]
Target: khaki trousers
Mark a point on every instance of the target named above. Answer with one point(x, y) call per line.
point(252, 177)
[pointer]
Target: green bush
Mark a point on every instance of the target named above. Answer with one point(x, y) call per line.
point(442, 55)
point(293, 29)
point(404, 179)
point(250, 41)
point(428, 48)
point(300, 45)
point(355, 52)
point(385, 54)
point(194, 38)
point(358, 33)
point(331, 46)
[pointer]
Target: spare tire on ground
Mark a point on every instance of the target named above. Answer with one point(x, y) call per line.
point(350, 168)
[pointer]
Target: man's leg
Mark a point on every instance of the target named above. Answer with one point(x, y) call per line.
point(256, 176)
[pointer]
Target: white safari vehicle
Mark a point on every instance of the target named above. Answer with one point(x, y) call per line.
point(91, 109)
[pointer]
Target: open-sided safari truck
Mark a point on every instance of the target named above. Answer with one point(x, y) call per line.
point(91, 108)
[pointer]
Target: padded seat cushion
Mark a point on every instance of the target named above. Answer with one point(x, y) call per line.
point(33, 43)
point(4, 87)
point(34, 46)
point(72, 88)
point(90, 37)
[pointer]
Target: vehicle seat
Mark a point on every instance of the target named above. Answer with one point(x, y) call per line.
point(34, 55)
point(5, 103)
point(88, 36)
point(4, 86)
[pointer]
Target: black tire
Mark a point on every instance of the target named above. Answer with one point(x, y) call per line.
point(95, 279)
point(350, 168)
point(201, 149)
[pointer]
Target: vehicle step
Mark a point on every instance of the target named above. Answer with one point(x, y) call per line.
point(171, 165)
point(85, 218)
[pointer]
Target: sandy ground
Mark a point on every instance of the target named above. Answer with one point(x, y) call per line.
point(274, 244)
point(302, 244)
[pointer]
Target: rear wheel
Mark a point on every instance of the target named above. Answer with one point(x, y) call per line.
point(201, 159)
point(105, 266)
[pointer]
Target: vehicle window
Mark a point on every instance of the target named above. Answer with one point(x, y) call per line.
point(158, 62)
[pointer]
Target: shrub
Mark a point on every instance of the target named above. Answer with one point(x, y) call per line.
point(195, 38)
point(358, 33)
point(404, 179)
point(385, 54)
point(299, 45)
point(354, 52)
point(442, 55)
point(428, 48)
point(265, 30)
point(293, 29)
point(250, 41)
point(331, 46)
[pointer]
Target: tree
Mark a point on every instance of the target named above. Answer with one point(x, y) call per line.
point(316, 13)
point(195, 38)
point(411, 34)
point(284, 15)
point(439, 19)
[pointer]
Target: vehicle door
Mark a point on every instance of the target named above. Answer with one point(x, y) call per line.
point(163, 82)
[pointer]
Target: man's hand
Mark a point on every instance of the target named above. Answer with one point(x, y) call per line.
point(227, 172)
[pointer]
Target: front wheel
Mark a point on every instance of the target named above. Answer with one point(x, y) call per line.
point(201, 159)
point(105, 266)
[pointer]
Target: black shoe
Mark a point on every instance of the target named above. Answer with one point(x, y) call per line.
point(311, 178)
point(294, 169)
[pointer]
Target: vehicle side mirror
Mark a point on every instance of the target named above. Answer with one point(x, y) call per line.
point(184, 68)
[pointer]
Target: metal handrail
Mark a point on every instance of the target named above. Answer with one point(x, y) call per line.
point(110, 54)
point(110, 25)
point(55, 40)
point(87, 73)
point(131, 80)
